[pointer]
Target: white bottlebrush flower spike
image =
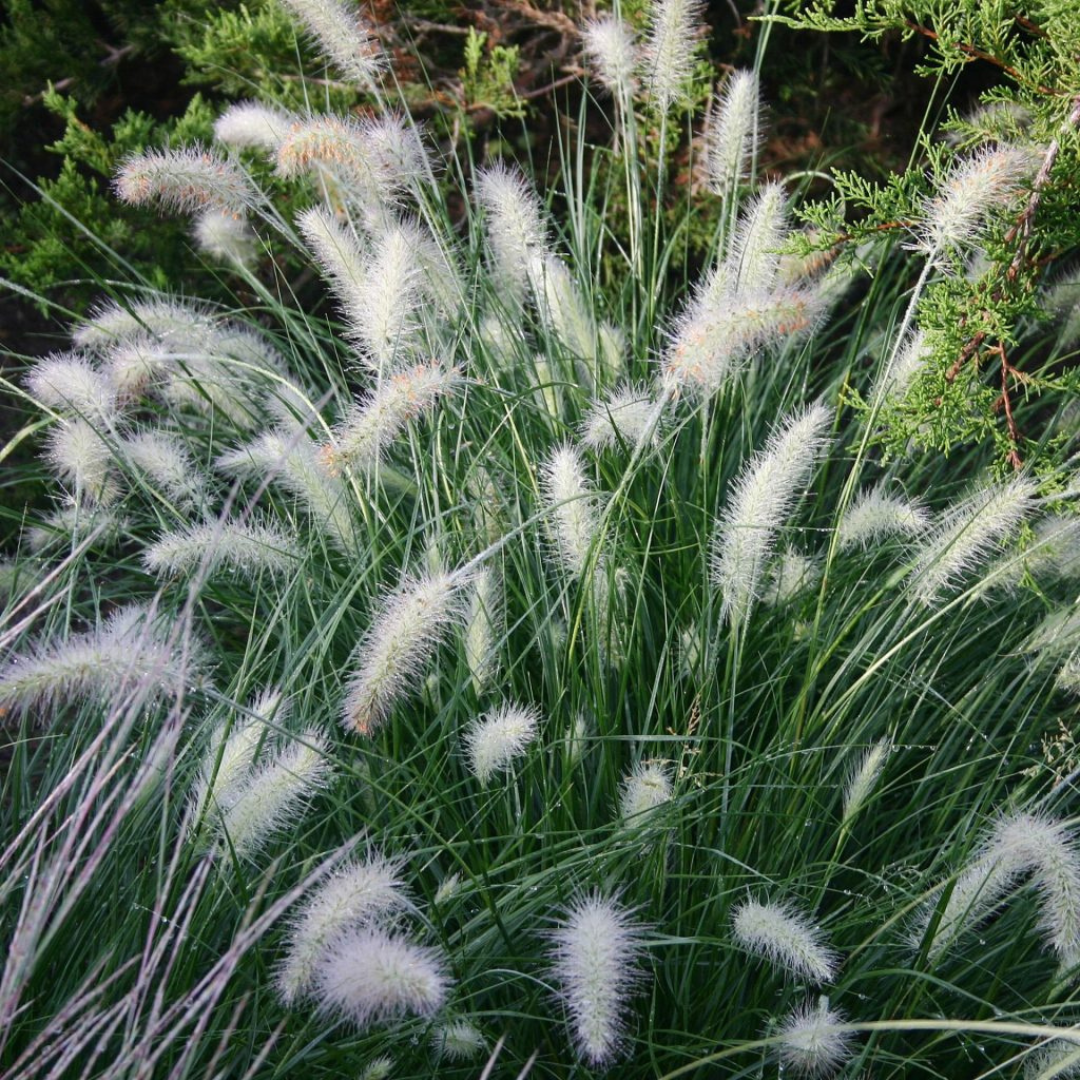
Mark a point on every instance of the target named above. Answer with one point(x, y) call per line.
point(812, 1040)
point(564, 309)
point(644, 790)
point(786, 938)
point(167, 464)
point(754, 259)
point(458, 1041)
point(82, 458)
point(626, 415)
point(377, 420)
point(497, 739)
point(976, 185)
point(483, 628)
point(161, 318)
point(515, 228)
point(609, 45)
point(875, 516)
point(186, 182)
point(571, 502)
point(899, 370)
point(763, 498)
point(669, 50)
point(863, 779)
point(372, 976)
point(127, 652)
point(1017, 845)
point(251, 125)
point(226, 238)
point(596, 953)
point(344, 36)
point(966, 533)
point(790, 575)
point(733, 133)
point(72, 385)
point(246, 549)
point(275, 794)
point(400, 643)
point(356, 895)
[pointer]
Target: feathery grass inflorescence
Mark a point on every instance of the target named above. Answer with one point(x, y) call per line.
point(356, 895)
point(483, 626)
point(813, 1041)
point(253, 125)
point(166, 462)
point(763, 498)
point(373, 424)
point(781, 934)
point(609, 45)
point(186, 182)
point(373, 976)
point(595, 961)
point(624, 416)
point(668, 54)
point(864, 778)
point(571, 501)
point(403, 637)
point(131, 651)
point(875, 516)
point(966, 533)
point(515, 229)
point(244, 548)
point(274, 795)
point(646, 789)
point(494, 741)
point(345, 37)
point(458, 1041)
point(733, 133)
point(72, 385)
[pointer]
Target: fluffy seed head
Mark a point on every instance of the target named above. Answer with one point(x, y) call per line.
point(762, 500)
point(246, 549)
point(161, 318)
point(563, 308)
point(376, 421)
point(249, 125)
point(185, 182)
point(790, 575)
point(595, 963)
point(70, 384)
point(495, 740)
point(910, 360)
point(733, 133)
point(967, 533)
point(755, 253)
point(669, 50)
point(396, 650)
point(458, 1041)
point(644, 790)
point(126, 652)
point(721, 330)
point(609, 47)
point(812, 1041)
point(372, 976)
point(863, 778)
point(343, 35)
point(357, 895)
point(514, 224)
point(226, 238)
point(275, 795)
point(786, 938)
point(81, 457)
point(483, 628)
point(875, 516)
point(166, 462)
point(977, 185)
point(625, 415)
point(571, 501)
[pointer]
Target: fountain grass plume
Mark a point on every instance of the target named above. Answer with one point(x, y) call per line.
point(763, 497)
point(494, 741)
point(399, 644)
point(596, 952)
point(784, 936)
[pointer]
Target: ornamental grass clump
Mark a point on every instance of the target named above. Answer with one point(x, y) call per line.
point(506, 561)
